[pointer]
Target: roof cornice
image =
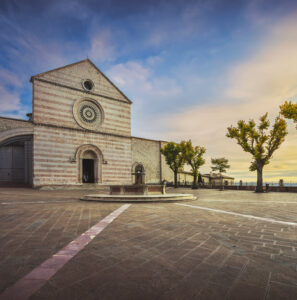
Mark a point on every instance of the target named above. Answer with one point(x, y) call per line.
point(77, 89)
point(81, 61)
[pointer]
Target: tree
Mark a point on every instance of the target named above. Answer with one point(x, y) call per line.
point(260, 142)
point(289, 111)
point(221, 165)
point(174, 158)
point(200, 180)
point(194, 157)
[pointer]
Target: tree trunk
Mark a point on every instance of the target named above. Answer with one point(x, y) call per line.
point(259, 188)
point(222, 183)
point(195, 185)
point(175, 179)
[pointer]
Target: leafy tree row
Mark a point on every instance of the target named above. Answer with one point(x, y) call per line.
point(258, 140)
point(177, 155)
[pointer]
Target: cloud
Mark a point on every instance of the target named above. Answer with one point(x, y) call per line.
point(9, 78)
point(9, 101)
point(151, 94)
point(139, 80)
point(9, 95)
point(130, 74)
point(271, 73)
point(153, 60)
point(254, 86)
point(102, 48)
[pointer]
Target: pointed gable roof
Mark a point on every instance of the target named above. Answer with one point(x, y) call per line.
point(49, 75)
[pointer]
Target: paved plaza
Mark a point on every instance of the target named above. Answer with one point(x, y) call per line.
point(224, 245)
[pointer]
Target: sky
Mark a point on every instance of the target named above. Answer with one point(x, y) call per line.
point(191, 68)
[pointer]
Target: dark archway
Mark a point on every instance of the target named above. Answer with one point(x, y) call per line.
point(89, 159)
point(16, 161)
point(139, 174)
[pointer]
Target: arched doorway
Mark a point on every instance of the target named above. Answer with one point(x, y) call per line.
point(88, 166)
point(139, 174)
point(89, 159)
point(16, 160)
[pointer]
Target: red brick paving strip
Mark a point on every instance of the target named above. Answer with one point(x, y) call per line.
point(32, 282)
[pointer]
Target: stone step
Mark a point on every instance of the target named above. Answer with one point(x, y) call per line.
point(138, 198)
point(85, 186)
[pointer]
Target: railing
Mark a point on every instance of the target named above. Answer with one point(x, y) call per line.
point(292, 188)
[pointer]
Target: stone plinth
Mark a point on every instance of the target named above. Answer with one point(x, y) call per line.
point(141, 189)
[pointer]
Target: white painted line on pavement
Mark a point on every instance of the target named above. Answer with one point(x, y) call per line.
point(239, 215)
point(247, 201)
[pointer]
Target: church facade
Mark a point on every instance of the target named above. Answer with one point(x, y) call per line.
point(79, 132)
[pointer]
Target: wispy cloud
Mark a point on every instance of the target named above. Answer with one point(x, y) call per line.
point(150, 93)
point(102, 47)
point(140, 80)
point(9, 101)
point(187, 67)
point(9, 91)
point(258, 84)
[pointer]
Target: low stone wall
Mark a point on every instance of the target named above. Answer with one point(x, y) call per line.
point(290, 189)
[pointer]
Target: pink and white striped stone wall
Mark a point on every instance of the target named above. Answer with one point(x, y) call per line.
point(54, 146)
point(57, 135)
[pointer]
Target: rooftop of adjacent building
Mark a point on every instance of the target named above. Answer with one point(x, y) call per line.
point(210, 175)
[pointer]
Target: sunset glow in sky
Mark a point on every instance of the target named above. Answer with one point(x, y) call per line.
point(191, 68)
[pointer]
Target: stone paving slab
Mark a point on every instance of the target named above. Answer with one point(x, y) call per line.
point(153, 251)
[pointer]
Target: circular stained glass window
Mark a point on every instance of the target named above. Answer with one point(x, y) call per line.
point(88, 113)
point(88, 84)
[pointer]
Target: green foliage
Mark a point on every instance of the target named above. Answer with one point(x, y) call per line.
point(220, 164)
point(258, 140)
point(173, 156)
point(289, 111)
point(176, 155)
point(193, 156)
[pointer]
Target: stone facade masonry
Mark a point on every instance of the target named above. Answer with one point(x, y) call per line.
point(53, 99)
point(60, 141)
point(8, 123)
point(55, 162)
point(147, 152)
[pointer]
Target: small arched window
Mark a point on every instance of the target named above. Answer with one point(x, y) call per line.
point(139, 169)
point(139, 174)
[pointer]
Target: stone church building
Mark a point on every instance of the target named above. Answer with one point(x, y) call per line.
point(79, 132)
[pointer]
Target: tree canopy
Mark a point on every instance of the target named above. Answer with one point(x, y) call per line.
point(289, 111)
point(220, 164)
point(259, 141)
point(194, 157)
point(174, 158)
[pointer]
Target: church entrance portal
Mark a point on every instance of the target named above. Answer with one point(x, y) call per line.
point(88, 171)
point(89, 167)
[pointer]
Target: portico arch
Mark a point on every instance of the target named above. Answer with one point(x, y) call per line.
point(85, 156)
point(15, 132)
point(16, 157)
